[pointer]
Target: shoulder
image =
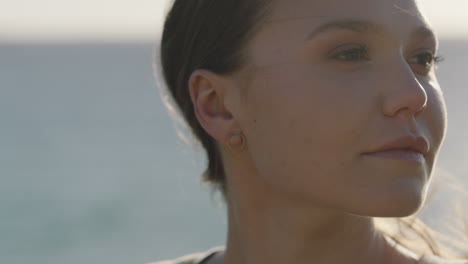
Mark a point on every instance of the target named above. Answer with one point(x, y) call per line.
point(438, 260)
point(193, 258)
point(186, 259)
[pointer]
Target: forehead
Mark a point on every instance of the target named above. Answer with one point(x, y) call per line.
point(399, 16)
point(293, 22)
point(384, 10)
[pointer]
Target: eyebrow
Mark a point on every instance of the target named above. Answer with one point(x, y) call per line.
point(364, 26)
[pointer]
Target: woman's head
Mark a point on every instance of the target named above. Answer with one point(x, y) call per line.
point(314, 89)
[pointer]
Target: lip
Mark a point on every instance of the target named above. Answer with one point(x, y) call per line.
point(411, 148)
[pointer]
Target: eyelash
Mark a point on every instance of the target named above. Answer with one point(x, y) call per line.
point(362, 54)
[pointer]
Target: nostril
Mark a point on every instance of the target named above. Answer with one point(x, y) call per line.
point(410, 97)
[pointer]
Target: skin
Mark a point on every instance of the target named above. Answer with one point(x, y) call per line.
point(309, 108)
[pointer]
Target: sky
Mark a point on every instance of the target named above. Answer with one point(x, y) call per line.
point(71, 20)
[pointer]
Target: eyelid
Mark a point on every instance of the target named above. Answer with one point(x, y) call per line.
point(351, 54)
point(435, 57)
point(346, 47)
point(420, 51)
point(435, 60)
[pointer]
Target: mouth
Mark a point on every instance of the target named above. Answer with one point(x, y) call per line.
point(399, 154)
point(406, 148)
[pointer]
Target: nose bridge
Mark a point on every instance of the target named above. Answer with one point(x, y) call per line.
point(402, 91)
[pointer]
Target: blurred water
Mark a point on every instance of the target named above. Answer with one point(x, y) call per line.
point(91, 168)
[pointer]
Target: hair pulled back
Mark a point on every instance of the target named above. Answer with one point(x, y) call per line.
point(210, 35)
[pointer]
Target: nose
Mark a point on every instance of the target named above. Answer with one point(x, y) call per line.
point(403, 92)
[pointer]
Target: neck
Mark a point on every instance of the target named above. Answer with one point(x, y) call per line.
point(265, 227)
point(284, 238)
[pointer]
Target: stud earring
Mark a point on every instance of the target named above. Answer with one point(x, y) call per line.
point(236, 141)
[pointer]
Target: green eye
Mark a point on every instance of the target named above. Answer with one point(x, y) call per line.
point(426, 59)
point(353, 54)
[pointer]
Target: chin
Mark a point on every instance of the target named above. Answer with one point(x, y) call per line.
point(394, 195)
point(398, 205)
point(400, 202)
point(399, 210)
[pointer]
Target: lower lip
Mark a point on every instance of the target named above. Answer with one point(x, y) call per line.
point(398, 154)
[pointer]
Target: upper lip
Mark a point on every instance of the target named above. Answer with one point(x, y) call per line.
point(415, 143)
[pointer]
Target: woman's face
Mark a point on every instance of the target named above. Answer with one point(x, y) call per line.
point(332, 81)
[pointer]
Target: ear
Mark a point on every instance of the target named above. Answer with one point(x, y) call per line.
point(207, 94)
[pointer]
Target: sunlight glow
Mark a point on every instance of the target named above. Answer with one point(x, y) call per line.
point(141, 19)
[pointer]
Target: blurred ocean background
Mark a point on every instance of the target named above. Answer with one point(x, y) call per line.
point(92, 169)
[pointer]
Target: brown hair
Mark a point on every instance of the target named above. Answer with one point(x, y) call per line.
point(212, 35)
point(207, 34)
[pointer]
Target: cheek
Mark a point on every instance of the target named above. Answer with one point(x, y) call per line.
point(305, 130)
point(435, 116)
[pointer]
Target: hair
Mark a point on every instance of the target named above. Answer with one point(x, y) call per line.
point(210, 35)
point(213, 35)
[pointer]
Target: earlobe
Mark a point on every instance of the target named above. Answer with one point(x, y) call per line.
point(236, 141)
point(206, 91)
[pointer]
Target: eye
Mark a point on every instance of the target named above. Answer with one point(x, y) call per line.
point(426, 59)
point(354, 53)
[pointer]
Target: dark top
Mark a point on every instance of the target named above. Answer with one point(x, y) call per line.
point(194, 258)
